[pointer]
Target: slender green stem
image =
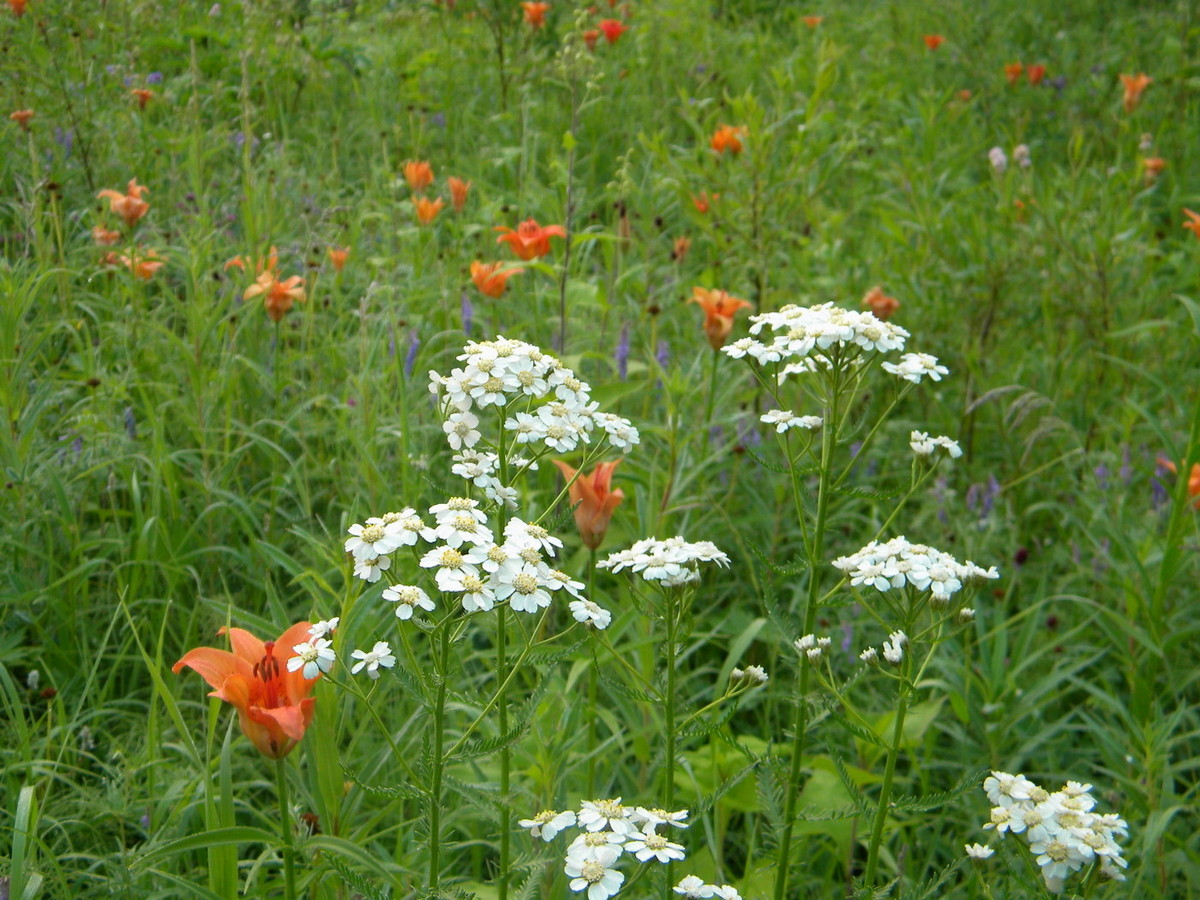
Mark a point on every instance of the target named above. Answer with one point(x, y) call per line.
point(438, 758)
point(885, 794)
point(670, 596)
point(590, 712)
point(285, 832)
point(502, 679)
point(712, 391)
point(812, 602)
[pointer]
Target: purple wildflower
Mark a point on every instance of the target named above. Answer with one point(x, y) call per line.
point(622, 352)
point(130, 423)
point(410, 358)
point(663, 356)
point(468, 314)
point(154, 78)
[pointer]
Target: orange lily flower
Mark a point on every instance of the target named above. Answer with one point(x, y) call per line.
point(22, 117)
point(1035, 74)
point(142, 95)
point(264, 264)
point(703, 202)
point(1154, 166)
point(933, 41)
point(719, 310)
point(1013, 72)
point(1193, 486)
point(458, 192)
point(490, 278)
point(530, 240)
point(590, 37)
point(142, 265)
point(1193, 223)
point(419, 175)
point(535, 13)
point(273, 704)
point(813, 21)
point(728, 139)
point(593, 499)
point(964, 95)
point(680, 251)
point(277, 295)
point(613, 29)
point(103, 237)
point(427, 209)
point(18, 7)
point(338, 257)
point(880, 304)
point(129, 206)
point(1134, 86)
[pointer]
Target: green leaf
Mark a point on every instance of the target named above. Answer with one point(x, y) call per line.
point(217, 837)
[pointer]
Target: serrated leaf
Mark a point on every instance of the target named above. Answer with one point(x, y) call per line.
point(487, 746)
point(626, 691)
point(399, 791)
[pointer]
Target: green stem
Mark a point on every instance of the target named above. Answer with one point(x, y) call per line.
point(505, 760)
point(285, 832)
point(885, 794)
point(669, 598)
point(828, 437)
point(712, 392)
point(435, 787)
point(590, 712)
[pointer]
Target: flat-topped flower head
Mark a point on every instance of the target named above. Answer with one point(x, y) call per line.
point(376, 538)
point(648, 845)
point(598, 815)
point(595, 875)
point(273, 702)
point(588, 613)
point(916, 366)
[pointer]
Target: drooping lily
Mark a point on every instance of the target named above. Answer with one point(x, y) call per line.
point(594, 500)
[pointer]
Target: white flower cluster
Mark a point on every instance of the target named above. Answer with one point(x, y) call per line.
point(999, 160)
point(555, 407)
point(915, 366)
point(753, 675)
point(897, 562)
point(924, 445)
point(609, 830)
point(1063, 832)
point(671, 562)
point(813, 647)
point(693, 888)
point(783, 419)
point(801, 330)
point(467, 560)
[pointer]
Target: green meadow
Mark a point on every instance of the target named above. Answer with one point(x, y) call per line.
point(652, 449)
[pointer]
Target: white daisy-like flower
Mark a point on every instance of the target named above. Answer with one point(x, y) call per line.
point(693, 887)
point(727, 892)
point(408, 597)
point(998, 159)
point(979, 851)
point(371, 660)
point(521, 534)
point(597, 815)
point(373, 539)
point(914, 367)
point(451, 566)
point(595, 876)
point(783, 419)
point(649, 845)
point(870, 655)
point(524, 591)
point(893, 649)
point(477, 594)
point(589, 613)
point(643, 817)
point(314, 657)
point(592, 844)
point(548, 823)
point(370, 570)
point(558, 580)
point(461, 430)
point(324, 627)
point(921, 443)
